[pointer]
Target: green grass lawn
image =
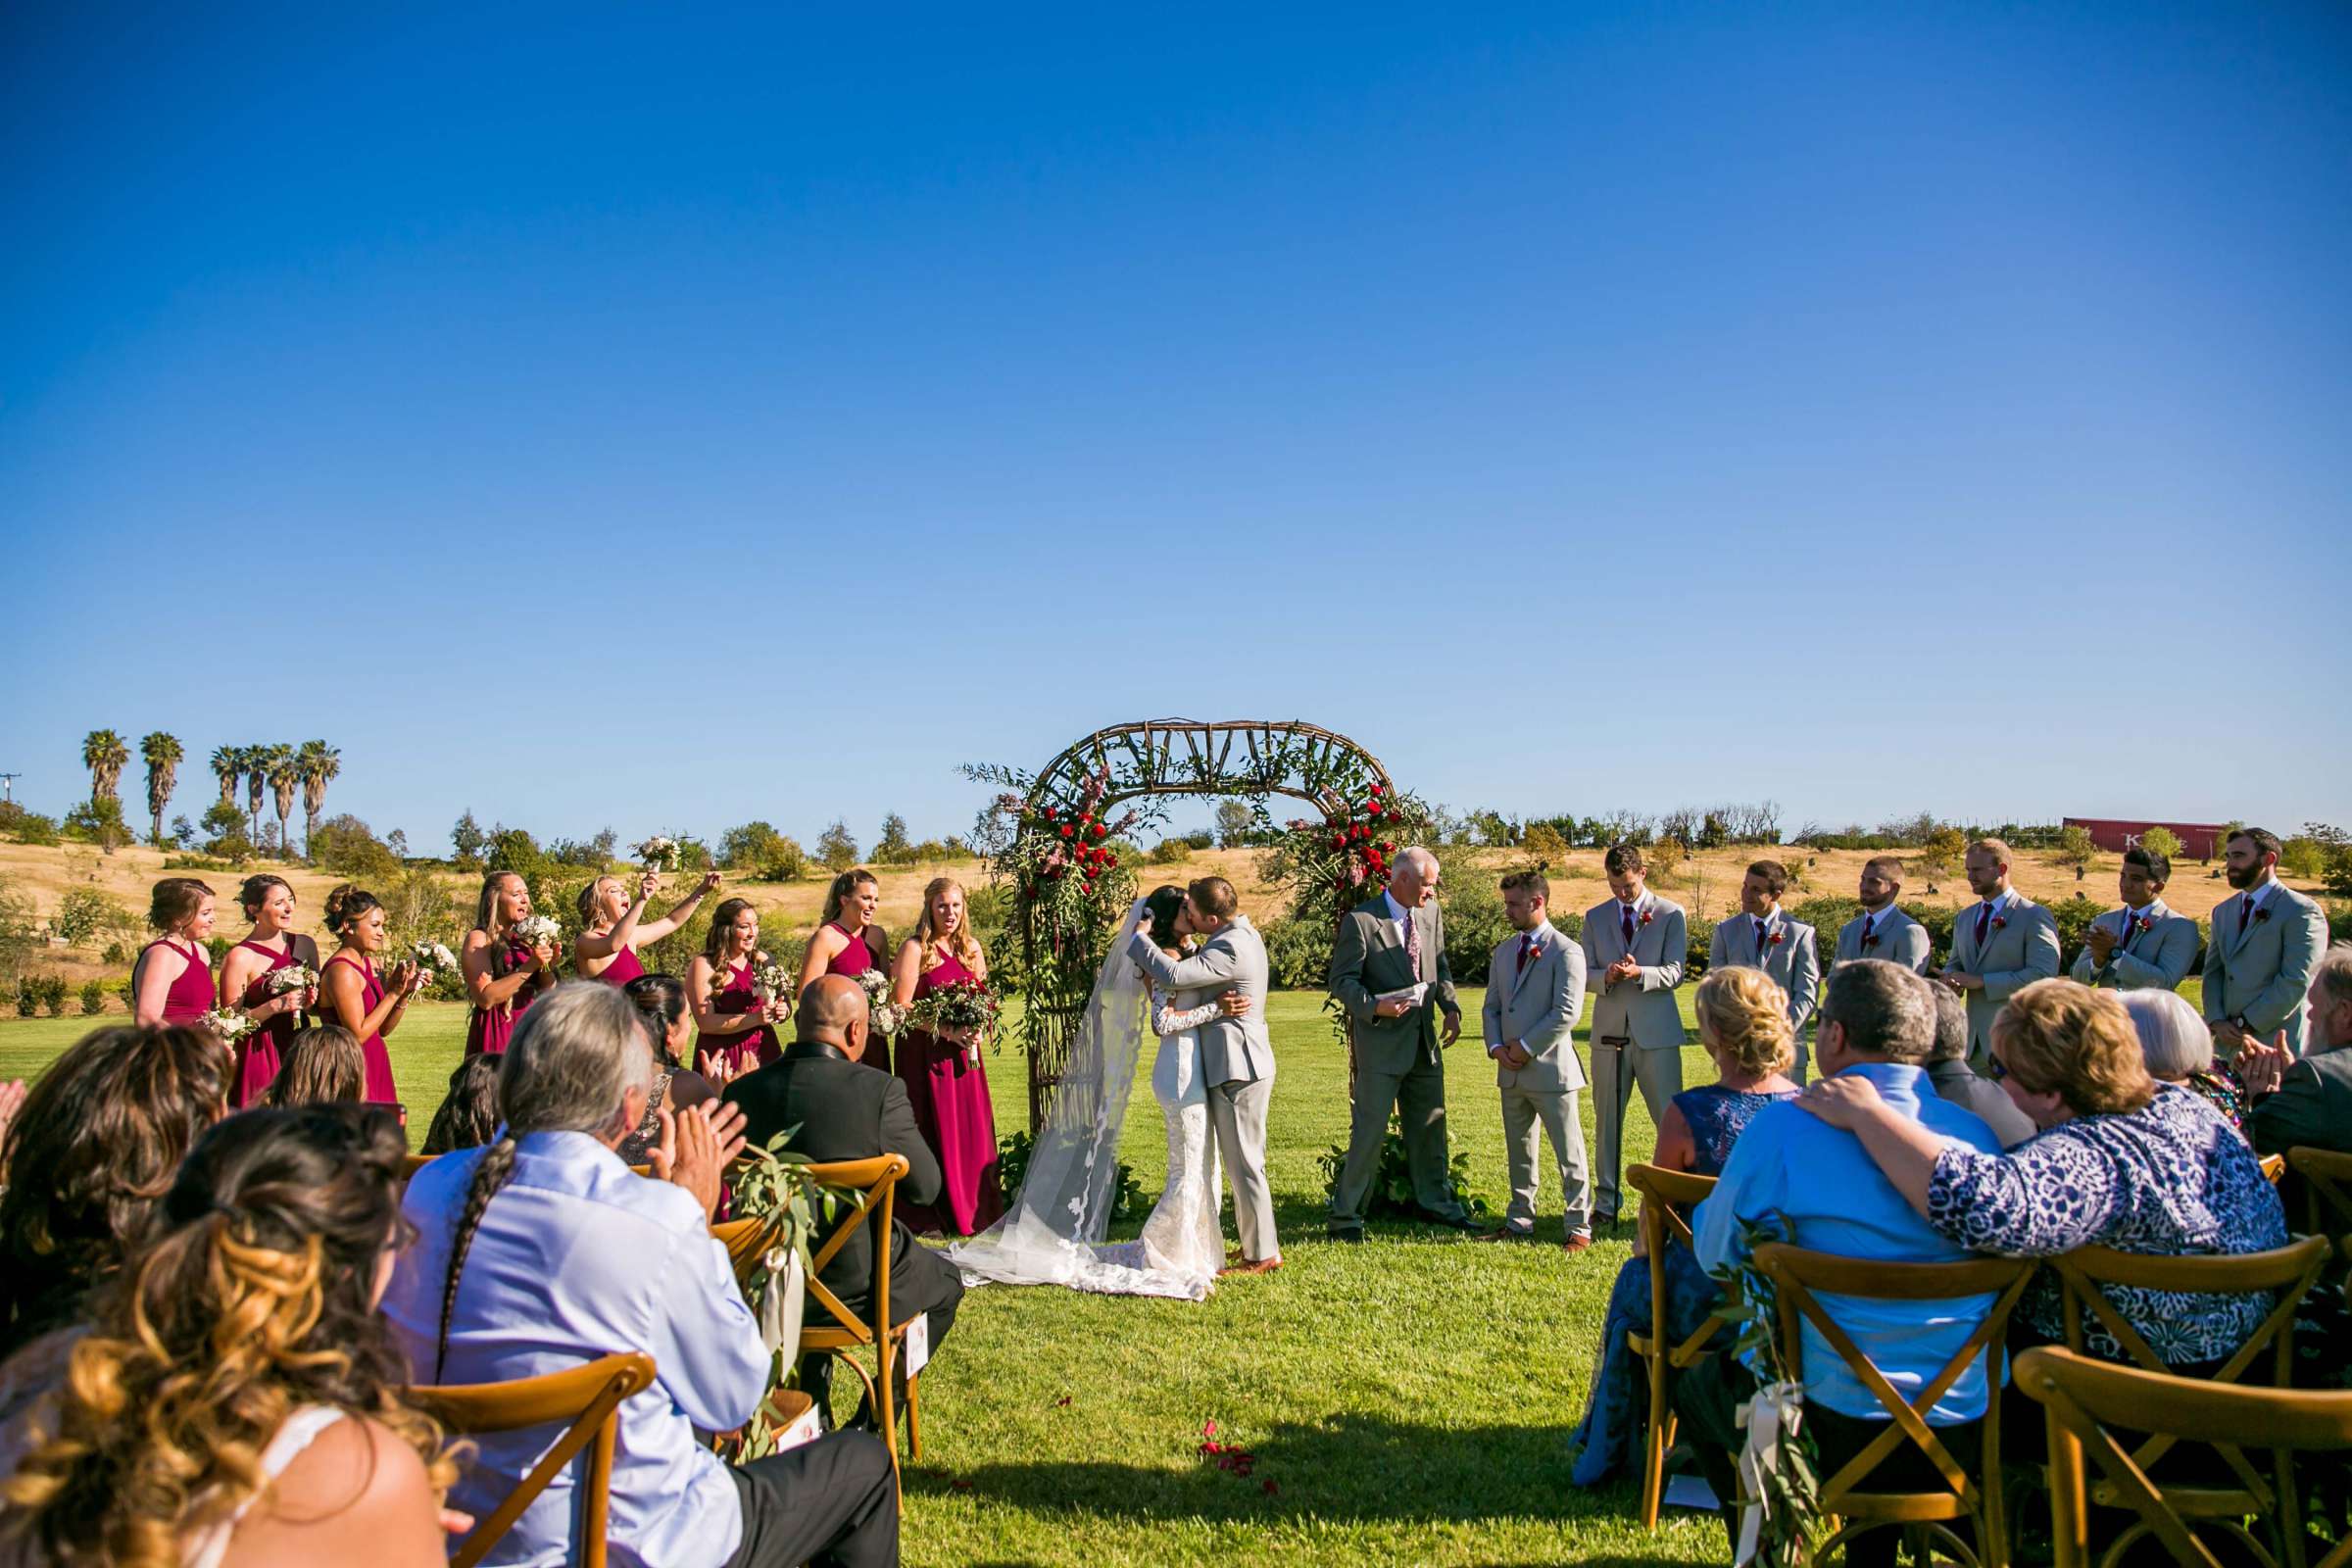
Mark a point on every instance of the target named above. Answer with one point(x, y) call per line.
point(1407, 1399)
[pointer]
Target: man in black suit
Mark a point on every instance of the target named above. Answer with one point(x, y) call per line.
point(835, 1109)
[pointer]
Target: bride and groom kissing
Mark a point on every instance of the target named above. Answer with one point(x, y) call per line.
point(1212, 1075)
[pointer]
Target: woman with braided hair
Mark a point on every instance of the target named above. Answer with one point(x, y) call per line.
point(234, 1402)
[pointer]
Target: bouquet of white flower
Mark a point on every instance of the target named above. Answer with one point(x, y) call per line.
point(293, 977)
point(770, 980)
point(228, 1023)
point(430, 957)
point(538, 929)
point(659, 848)
point(883, 1015)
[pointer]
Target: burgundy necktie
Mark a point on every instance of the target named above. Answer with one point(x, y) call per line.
point(1527, 951)
point(1759, 942)
point(1412, 944)
point(1870, 925)
point(1625, 916)
point(1984, 920)
point(2245, 912)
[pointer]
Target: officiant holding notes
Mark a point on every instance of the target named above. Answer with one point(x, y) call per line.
point(1388, 971)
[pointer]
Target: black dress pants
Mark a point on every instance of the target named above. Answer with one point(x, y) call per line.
point(831, 1503)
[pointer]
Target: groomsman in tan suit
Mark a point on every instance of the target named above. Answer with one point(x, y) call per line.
point(1880, 930)
point(1761, 936)
point(2000, 945)
point(2143, 944)
point(1635, 946)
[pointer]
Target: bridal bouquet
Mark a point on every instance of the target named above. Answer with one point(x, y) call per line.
point(430, 957)
point(961, 1005)
point(883, 1015)
point(770, 980)
point(538, 929)
point(659, 848)
point(228, 1023)
point(293, 977)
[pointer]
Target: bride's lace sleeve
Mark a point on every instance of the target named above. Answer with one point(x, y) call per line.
point(1168, 1020)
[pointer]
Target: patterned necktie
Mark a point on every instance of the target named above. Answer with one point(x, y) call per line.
point(1870, 926)
point(1527, 951)
point(1984, 920)
point(1759, 942)
point(1412, 944)
point(2245, 912)
point(1625, 918)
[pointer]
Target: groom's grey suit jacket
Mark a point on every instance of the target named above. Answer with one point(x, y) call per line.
point(1232, 1049)
point(1538, 1006)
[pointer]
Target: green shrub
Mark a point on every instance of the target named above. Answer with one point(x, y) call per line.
point(1297, 954)
point(511, 849)
point(1392, 1194)
point(87, 912)
point(836, 850)
point(1168, 852)
point(53, 995)
point(1475, 926)
point(346, 846)
point(28, 996)
point(27, 827)
point(224, 828)
point(98, 821)
point(93, 998)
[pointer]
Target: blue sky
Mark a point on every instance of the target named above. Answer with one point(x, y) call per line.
point(663, 417)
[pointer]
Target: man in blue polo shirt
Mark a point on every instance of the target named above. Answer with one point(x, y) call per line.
point(1821, 1189)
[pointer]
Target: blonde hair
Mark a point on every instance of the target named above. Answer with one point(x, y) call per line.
point(2057, 1037)
point(1744, 1013)
point(963, 943)
point(485, 908)
point(1999, 849)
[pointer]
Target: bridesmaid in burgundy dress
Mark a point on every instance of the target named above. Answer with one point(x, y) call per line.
point(734, 1030)
point(171, 979)
point(352, 993)
point(245, 975)
point(503, 974)
point(945, 1081)
point(612, 926)
point(839, 948)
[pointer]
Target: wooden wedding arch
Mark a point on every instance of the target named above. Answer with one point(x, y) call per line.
point(1065, 911)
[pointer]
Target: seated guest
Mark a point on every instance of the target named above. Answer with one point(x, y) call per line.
point(1956, 1081)
point(660, 1003)
point(1818, 1186)
point(837, 1109)
point(468, 1113)
point(542, 1252)
point(243, 1337)
point(96, 1145)
point(322, 1065)
point(2307, 1102)
point(2122, 1161)
point(2177, 1048)
point(1743, 1022)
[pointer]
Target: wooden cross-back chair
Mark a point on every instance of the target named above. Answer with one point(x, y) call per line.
point(2326, 1189)
point(2082, 1398)
point(1667, 1198)
point(589, 1397)
point(1798, 1276)
point(2289, 1271)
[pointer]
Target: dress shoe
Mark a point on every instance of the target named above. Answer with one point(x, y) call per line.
point(1264, 1266)
point(1580, 1242)
point(1507, 1234)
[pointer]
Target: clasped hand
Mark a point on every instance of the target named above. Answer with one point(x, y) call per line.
point(2262, 1068)
point(697, 1144)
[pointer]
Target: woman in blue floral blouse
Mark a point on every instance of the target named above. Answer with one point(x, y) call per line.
point(2122, 1161)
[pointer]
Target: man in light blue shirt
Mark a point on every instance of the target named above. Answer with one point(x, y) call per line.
point(572, 1256)
point(1820, 1186)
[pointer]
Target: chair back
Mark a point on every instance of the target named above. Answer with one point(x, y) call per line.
point(410, 1164)
point(589, 1397)
point(2273, 1166)
point(1667, 1198)
point(874, 1182)
point(2327, 1187)
point(2082, 1398)
point(1799, 1276)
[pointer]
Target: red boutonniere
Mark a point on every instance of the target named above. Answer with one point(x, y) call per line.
point(1646, 918)
point(1870, 942)
point(2000, 922)
point(2143, 924)
point(2262, 914)
point(1779, 937)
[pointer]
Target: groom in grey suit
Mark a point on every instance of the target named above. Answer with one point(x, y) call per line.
point(1393, 941)
point(1880, 930)
point(1534, 993)
point(1236, 1055)
point(1634, 946)
point(2000, 945)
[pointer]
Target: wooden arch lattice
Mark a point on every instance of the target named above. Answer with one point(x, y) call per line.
point(1063, 939)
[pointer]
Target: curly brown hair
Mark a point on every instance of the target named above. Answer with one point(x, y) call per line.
point(252, 1299)
point(2058, 1037)
point(1744, 1013)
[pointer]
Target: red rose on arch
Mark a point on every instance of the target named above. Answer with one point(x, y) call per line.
point(1065, 830)
point(1338, 841)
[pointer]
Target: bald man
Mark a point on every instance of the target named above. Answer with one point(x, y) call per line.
point(837, 1108)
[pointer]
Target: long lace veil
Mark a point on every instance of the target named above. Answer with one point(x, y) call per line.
point(1052, 1232)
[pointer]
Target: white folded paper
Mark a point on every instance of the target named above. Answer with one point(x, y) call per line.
point(1410, 996)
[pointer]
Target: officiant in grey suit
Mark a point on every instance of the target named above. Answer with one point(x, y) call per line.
point(1393, 941)
point(1534, 993)
point(1237, 1055)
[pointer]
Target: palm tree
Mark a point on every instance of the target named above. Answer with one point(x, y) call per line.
point(279, 765)
point(104, 755)
point(316, 762)
point(162, 755)
point(257, 779)
point(228, 761)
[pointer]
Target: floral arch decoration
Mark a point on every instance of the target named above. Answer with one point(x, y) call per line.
point(1055, 848)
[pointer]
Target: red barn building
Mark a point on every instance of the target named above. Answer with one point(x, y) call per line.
point(2199, 841)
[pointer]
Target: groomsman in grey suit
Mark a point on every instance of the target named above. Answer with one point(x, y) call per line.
point(1237, 1055)
point(2000, 945)
point(2143, 944)
point(2266, 942)
point(1392, 944)
point(1534, 993)
point(1880, 930)
point(1634, 946)
point(1761, 936)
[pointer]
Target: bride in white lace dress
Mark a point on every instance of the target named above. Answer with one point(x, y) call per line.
point(1053, 1229)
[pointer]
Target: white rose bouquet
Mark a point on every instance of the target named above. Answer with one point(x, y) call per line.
point(883, 1015)
point(659, 848)
point(430, 957)
point(228, 1023)
point(770, 980)
point(293, 977)
point(538, 929)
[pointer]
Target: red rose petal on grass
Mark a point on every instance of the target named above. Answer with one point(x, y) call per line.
point(1064, 1399)
point(1268, 1488)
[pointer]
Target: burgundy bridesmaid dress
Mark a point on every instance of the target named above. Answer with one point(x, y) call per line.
point(191, 995)
point(855, 958)
point(624, 968)
point(380, 1090)
point(949, 1090)
point(489, 1030)
point(753, 1048)
point(261, 1052)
